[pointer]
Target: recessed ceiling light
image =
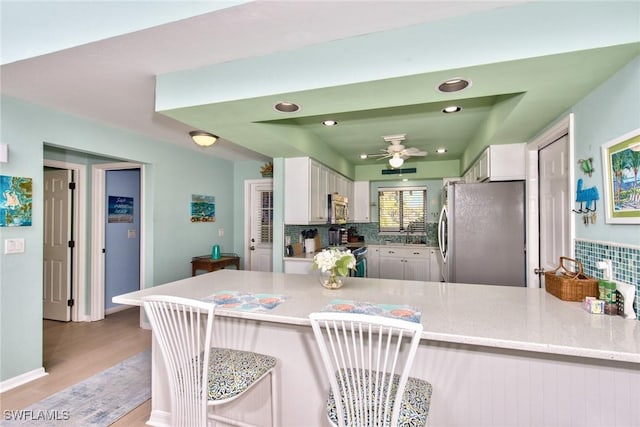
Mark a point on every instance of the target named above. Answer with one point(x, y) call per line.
point(363, 156)
point(451, 109)
point(405, 179)
point(454, 85)
point(441, 150)
point(329, 123)
point(286, 107)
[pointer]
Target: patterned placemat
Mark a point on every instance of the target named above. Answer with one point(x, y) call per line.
point(396, 311)
point(245, 301)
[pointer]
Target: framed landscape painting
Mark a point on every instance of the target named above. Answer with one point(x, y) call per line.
point(621, 170)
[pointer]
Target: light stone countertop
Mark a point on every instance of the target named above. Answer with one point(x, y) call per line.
point(524, 319)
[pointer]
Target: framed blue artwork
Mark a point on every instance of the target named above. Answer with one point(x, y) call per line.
point(203, 208)
point(15, 201)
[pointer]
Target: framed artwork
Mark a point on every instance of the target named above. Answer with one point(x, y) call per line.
point(120, 209)
point(15, 201)
point(203, 208)
point(621, 172)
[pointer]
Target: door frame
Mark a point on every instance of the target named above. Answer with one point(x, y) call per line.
point(247, 214)
point(560, 128)
point(79, 229)
point(98, 206)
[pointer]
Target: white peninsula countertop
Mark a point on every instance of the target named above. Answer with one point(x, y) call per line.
point(494, 316)
point(495, 355)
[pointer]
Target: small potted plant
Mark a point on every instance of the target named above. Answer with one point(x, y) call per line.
point(267, 170)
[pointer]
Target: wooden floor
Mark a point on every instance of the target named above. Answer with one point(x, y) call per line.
point(74, 351)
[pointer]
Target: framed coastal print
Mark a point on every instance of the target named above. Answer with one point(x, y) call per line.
point(15, 201)
point(621, 171)
point(203, 208)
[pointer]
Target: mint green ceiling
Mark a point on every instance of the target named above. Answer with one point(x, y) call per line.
point(528, 65)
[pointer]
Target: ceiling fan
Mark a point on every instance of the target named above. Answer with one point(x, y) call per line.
point(396, 152)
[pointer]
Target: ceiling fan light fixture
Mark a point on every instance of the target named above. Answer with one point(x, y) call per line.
point(202, 138)
point(451, 109)
point(286, 107)
point(453, 85)
point(396, 161)
point(330, 123)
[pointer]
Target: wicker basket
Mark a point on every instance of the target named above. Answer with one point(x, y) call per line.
point(570, 285)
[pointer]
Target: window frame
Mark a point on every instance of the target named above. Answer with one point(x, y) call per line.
point(402, 227)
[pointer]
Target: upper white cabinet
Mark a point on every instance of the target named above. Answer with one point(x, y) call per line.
point(498, 163)
point(307, 184)
point(359, 205)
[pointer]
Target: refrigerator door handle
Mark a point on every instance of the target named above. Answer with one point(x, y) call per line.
point(441, 233)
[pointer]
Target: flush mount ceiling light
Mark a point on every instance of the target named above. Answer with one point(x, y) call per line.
point(451, 109)
point(396, 161)
point(329, 123)
point(364, 156)
point(202, 138)
point(286, 107)
point(441, 150)
point(454, 85)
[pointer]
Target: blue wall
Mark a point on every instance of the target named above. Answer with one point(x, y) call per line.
point(122, 239)
point(172, 174)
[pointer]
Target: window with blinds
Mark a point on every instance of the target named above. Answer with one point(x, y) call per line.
point(266, 216)
point(402, 209)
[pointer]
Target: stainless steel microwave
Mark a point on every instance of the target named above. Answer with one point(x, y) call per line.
point(338, 208)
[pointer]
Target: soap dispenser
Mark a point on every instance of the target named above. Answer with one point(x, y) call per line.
point(607, 287)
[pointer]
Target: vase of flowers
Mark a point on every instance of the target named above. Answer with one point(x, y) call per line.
point(333, 263)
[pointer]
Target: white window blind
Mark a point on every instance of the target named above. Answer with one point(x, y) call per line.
point(402, 209)
point(265, 215)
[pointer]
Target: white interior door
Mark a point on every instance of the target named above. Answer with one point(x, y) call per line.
point(57, 235)
point(261, 227)
point(555, 212)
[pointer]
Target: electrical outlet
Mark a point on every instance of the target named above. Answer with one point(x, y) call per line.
point(13, 246)
point(220, 232)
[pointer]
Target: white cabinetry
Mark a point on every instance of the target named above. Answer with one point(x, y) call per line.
point(359, 206)
point(298, 267)
point(404, 263)
point(498, 163)
point(373, 261)
point(435, 265)
point(307, 184)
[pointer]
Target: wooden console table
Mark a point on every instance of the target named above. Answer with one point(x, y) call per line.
point(205, 262)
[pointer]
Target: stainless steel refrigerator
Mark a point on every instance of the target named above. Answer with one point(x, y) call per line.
point(482, 234)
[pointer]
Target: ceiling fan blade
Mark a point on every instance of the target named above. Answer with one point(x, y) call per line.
point(413, 152)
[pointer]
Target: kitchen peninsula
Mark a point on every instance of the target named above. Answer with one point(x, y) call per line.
point(496, 356)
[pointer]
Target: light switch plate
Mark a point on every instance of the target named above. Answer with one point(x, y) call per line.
point(221, 232)
point(14, 246)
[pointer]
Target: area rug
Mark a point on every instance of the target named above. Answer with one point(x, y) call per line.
point(97, 401)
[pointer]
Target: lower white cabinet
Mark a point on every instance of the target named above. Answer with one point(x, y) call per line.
point(420, 263)
point(298, 267)
point(373, 261)
point(404, 263)
point(435, 265)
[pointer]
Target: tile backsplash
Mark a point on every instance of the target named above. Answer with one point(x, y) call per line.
point(625, 260)
point(368, 230)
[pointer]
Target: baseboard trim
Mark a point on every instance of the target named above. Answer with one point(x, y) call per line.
point(22, 379)
point(116, 309)
point(159, 419)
